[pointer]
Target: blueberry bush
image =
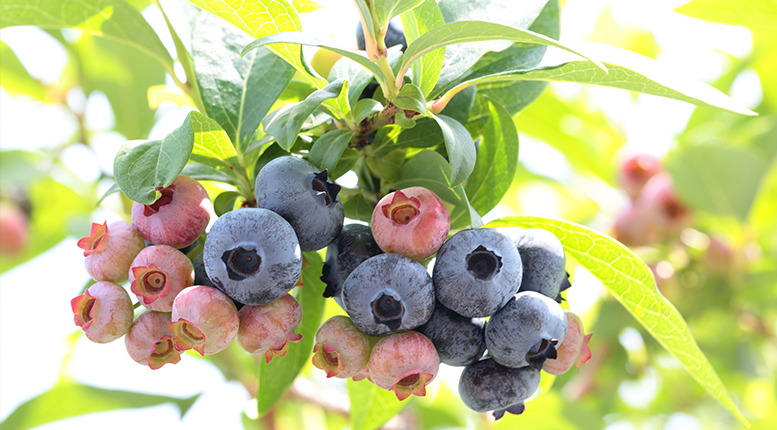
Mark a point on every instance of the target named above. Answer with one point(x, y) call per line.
point(358, 212)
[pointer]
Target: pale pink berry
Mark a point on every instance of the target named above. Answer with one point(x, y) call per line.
point(158, 274)
point(268, 329)
point(635, 170)
point(720, 256)
point(412, 222)
point(635, 227)
point(341, 349)
point(150, 341)
point(404, 363)
point(663, 206)
point(14, 230)
point(178, 217)
point(572, 350)
point(104, 312)
point(204, 319)
point(110, 249)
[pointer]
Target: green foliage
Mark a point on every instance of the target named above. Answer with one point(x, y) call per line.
point(371, 406)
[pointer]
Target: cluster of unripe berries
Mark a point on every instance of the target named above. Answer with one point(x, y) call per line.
point(401, 322)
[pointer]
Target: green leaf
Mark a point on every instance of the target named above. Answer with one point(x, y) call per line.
point(348, 158)
point(364, 12)
point(358, 208)
point(429, 169)
point(260, 18)
point(113, 189)
point(626, 70)
point(365, 108)
point(326, 152)
point(202, 172)
point(371, 406)
point(461, 105)
point(15, 78)
point(272, 152)
point(387, 167)
point(460, 146)
point(410, 97)
point(225, 202)
point(277, 375)
point(141, 166)
point(70, 399)
point(631, 282)
point(213, 148)
point(284, 124)
point(387, 9)
point(185, 59)
point(115, 19)
point(755, 14)
point(417, 22)
point(354, 74)
point(236, 92)
point(340, 104)
point(304, 6)
point(717, 179)
point(304, 39)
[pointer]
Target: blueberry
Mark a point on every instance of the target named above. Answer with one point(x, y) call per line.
point(477, 272)
point(305, 197)
point(459, 340)
point(394, 36)
point(526, 331)
point(544, 263)
point(488, 386)
point(252, 255)
point(388, 293)
point(354, 245)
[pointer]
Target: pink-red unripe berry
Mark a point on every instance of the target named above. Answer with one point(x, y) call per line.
point(412, 222)
point(14, 230)
point(635, 170)
point(268, 329)
point(572, 350)
point(663, 205)
point(104, 312)
point(404, 363)
point(720, 256)
point(110, 249)
point(178, 217)
point(341, 349)
point(635, 227)
point(150, 341)
point(204, 319)
point(158, 274)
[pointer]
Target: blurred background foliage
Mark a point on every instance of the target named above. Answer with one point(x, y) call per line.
point(721, 273)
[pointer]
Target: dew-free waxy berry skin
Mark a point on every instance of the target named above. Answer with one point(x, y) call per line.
point(341, 349)
point(354, 245)
point(253, 256)
point(412, 222)
point(476, 272)
point(104, 312)
point(204, 319)
point(110, 249)
point(544, 262)
point(268, 329)
point(158, 274)
point(459, 340)
point(178, 217)
point(150, 342)
point(488, 386)
point(304, 196)
point(404, 363)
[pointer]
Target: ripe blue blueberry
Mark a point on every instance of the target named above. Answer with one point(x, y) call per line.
point(459, 340)
point(252, 255)
point(477, 272)
point(488, 386)
point(526, 331)
point(354, 245)
point(388, 293)
point(305, 197)
point(544, 263)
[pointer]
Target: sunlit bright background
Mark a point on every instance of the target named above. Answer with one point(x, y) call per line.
point(37, 331)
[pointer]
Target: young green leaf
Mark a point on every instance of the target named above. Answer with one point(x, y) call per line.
point(210, 140)
point(304, 6)
point(284, 124)
point(365, 108)
point(186, 61)
point(429, 169)
point(141, 166)
point(417, 22)
point(15, 79)
point(236, 92)
point(277, 375)
point(631, 282)
point(357, 77)
point(410, 97)
point(387, 9)
point(326, 152)
point(371, 406)
point(202, 172)
point(460, 146)
point(348, 159)
point(387, 167)
point(225, 202)
point(358, 208)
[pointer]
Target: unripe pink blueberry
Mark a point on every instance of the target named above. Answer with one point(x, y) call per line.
point(204, 319)
point(268, 329)
point(110, 249)
point(341, 349)
point(412, 222)
point(720, 256)
point(150, 341)
point(178, 217)
point(663, 206)
point(635, 170)
point(104, 312)
point(572, 350)
point(158, 274)
point(635, 227)
point(14, 230)
point(404, 363)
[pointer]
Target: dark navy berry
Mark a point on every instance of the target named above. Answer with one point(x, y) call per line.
point(252, 255)
point(305, 197)
point(488, 386)
point(459, 340)
point(388, 293)
point(354, 245)
point(477, 272)
point(526, 331)
point(544, 263)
